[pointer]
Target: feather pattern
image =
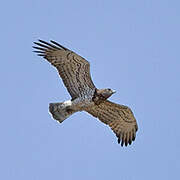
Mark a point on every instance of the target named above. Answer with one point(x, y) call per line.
point(120, 118)
point(73, 69)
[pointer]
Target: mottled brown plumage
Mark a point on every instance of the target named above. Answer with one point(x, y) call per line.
point(75, 73)
point(120, 118)
point(73, 69)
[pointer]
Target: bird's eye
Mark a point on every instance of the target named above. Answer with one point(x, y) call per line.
point(109, 89)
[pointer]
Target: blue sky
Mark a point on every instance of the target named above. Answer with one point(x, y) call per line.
point(133, 47)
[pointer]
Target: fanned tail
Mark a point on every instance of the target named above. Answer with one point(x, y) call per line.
point(59, 111)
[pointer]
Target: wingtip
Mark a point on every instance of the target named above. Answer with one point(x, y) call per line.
point(57, 44)
point(136, 127)
point(122, 143)
point(35, 42)
point(47, 45)
point(126, 142)
point(40, 40)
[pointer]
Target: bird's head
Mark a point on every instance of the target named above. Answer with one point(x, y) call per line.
point(105, 93)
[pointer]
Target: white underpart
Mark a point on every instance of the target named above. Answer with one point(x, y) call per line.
point(61, 111)
point(67, 103)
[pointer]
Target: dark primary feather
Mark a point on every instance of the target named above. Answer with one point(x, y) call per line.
point(73, 69)
point(59, 45)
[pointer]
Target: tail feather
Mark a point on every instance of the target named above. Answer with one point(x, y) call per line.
point(59, 111)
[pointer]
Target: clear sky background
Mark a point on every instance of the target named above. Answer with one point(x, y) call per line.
point(133, 47)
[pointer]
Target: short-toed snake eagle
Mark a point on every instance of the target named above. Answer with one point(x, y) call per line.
point(75, 73)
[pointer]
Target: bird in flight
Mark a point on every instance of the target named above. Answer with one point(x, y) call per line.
point(75, 73)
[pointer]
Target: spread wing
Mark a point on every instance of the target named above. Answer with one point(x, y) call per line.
point(120, 118)
point(73, 69)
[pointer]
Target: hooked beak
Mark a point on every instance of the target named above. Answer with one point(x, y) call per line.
point(113, 91)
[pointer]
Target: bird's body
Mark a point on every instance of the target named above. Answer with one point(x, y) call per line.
point(75, 73)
